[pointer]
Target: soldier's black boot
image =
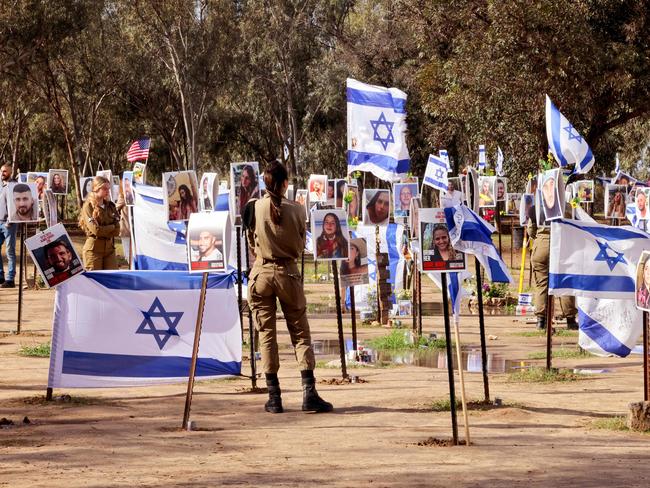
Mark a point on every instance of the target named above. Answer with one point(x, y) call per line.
point(571, 323)
point(541, 323)
point(274, 404)
point(311, 402)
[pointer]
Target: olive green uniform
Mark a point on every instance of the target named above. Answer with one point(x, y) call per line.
point(274, 275)
point(99, 248)
point(540, 260)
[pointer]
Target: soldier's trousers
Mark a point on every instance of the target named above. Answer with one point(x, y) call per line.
point(266, 283)
point(539, 261)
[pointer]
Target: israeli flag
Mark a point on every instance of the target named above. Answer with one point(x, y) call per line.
point(377, 130)
point(482, 158)
point(594, 260)
point(472, 235)
point(499, 167)
point(444, 155)
point(159, 244)
point(436, 173)
point(136, 328)
point(565, 143)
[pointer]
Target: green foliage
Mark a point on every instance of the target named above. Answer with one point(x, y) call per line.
point(444, 405)
point(617, 423)
point(38, 351)
point(401, 340)
point(561, 353)
point(541, 375)
point(495, 290)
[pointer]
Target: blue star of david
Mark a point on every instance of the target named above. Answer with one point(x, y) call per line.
point(439, 173)
point(612, 261)
point(389, 127)
point(572, 136)
point(148, 327)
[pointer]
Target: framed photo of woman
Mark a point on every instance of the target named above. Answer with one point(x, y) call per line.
point(615, 201)
point(643, 282)
point(438, 252)
point(354, 271)
point(244, 186)
point(57, 181)
point(330, 234)
point(180, 194)
point(376, 207)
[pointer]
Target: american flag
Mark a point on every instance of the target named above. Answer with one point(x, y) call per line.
point(139, 150)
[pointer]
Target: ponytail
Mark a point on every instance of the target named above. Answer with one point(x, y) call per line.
point(275, 175)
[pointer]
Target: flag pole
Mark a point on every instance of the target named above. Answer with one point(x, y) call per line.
point(461, 377)
point(195, 352)
point(646, 366)
point(481, 325)
point(21, 273)
point(353, 314)
point(339, 318)
point(450, 361)
point(414, 285)
point(251, 329)
point(377, 277)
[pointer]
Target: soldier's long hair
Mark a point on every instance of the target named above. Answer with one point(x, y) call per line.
point(275, 175)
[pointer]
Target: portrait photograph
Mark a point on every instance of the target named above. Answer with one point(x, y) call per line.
point(22, 202)
point(550, 188)
point(623, 179)
point(40, 180)
point(471, 189)
point(50, 211)
point(538, 207)
point(502, 189)
point(57, 181)
point(453, 196)
point(330, 234)
point(641, 203)
point(302, 198)
point(585, 190)
point(54, 255)
point(208, 191)
point(404, 308)
point(376, 207)
point(352, 200)
point(127, 188)
point(402, 194)
point(207, 248)
point(643, 282)
point(339, 193)
point(331, 193)
point(512, 203)
point(354, 271)
point(115, 188)
point(615, 201)
point(487, 191)
point(86, 185)
point(525, 204)
point(180, 194)
point(3, 203)
point(438, 253)
point(139, 173)
point(317, 186)
point(244, 186)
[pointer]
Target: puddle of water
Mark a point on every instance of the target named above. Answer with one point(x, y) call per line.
point(428, 358)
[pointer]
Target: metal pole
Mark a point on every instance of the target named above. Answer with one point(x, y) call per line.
point(377, 274)
point(549, 330)
point(251, 328)
point(646, 368)
point(481, 325)
point(339, 319)
point(195, 352)
point(353, 313)
point(239, 280)
point(414, 285)
point(498, 219)
point(419, 276)
point(450, 360)
point(302, 267)
point(21, 272)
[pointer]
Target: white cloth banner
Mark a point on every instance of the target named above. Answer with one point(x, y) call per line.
point(135, 328)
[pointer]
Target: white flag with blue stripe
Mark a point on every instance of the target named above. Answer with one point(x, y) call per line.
point(594, 260)
point(499, 166)
point(444, 155)
point(482, 158)
point(435, 175)
point(472, 235)
point(128, 328)
point(565, 143)
point(377, 130)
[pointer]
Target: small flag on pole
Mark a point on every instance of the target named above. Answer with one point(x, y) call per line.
point(139, 150)
point(499, 168)
point(565, 143)
point(482, 159)
point(436, 173)
point(444, 155)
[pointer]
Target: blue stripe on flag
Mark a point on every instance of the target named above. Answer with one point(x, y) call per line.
point(147, 198)
point(143, 262)
point(355, 158)
point(555, 130)
point(435, 183)
point(591, 282)
point(588, 157)
point(393, 252)
point(601, 336)
point(376, 99)
point(159, 280)
point(608, 232)
point(128, 366)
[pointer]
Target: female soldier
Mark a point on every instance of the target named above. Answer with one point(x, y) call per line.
point(100, 220)
point(276, 232)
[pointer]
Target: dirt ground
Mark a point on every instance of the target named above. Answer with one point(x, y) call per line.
point(544, 435)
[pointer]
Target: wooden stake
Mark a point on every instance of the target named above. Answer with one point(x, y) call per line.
point(195, 352)
point(353, 313)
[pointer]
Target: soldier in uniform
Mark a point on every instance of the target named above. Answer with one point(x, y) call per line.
point(276, 232)
point(100, 220)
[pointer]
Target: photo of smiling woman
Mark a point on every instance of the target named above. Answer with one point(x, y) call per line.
point(331, 228)
point(438, 253)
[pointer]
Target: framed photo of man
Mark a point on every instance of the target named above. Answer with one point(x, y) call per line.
point(376, 207)
point(641, 203)
point(402, 194)
point(244, 186)
point(354, 271)
point(54, 255)
point(487, 191)
point(643, 282)
point(330, 234)
point(127, 188)
point(438, 253)
point(453, 196)
point(585, 191)
point(40, 180)
point(22, 202)
point(317, 186)
point(552, 189)
point(207, 243)
point(502, 189)
point(615, 201)
point(525, 204)
point(180, 194)
point(513, 202)
point(57, 181)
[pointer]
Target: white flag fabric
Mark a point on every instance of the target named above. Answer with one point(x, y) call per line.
point(499, 166)
point(128, 328)
point(565, 143)
point(594, 260)
point(435, 175)
point(377, 130)
point(482, 158)
point(444, 155)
